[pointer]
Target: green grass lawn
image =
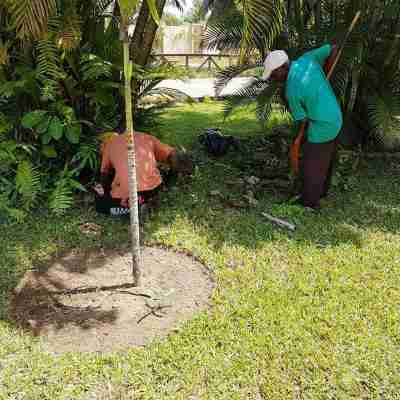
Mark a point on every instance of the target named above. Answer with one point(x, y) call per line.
point(312, 314)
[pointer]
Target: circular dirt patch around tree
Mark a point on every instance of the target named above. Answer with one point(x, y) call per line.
point(84, 301)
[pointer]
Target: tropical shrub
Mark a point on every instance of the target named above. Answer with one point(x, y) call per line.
point(60, 85)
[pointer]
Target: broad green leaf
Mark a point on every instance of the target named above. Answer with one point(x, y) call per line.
point(33, 119)
point(73, 133)
point(46, 138)
point(56, 128)
point(153, 10)
point(43, 126)
point(49, 151)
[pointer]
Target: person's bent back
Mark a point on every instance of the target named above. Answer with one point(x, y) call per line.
point(148, 150)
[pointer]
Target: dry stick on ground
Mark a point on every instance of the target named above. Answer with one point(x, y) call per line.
point(153, 312)
point(280, 222)
point(93, 289)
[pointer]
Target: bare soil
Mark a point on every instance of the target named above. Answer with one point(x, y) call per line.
point(85, 302)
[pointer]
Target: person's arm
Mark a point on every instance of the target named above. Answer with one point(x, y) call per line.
point(162, 152)
point(297, 109)
point(178, 161)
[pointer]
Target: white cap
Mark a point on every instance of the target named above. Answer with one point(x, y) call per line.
point(274, 60)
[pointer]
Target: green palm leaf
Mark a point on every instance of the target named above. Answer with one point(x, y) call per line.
point(224, 76)
point(263, 21)
point(31, 16)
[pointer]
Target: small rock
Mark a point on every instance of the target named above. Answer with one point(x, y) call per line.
point(90, 228)
point(252, 180)
point(250, 198)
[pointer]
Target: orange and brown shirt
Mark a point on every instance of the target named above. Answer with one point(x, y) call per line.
point(148, 149)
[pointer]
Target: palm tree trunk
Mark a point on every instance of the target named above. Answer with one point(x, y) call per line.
point(133, 199)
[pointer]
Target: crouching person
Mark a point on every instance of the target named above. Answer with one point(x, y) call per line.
point(112, 193)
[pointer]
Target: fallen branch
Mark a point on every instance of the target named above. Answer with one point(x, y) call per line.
point(153, 312)
point(282, 223)
point(93, 289)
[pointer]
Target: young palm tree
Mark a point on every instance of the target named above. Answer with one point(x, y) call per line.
point(127, 9)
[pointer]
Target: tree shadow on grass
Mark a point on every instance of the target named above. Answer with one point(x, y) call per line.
point(34, 308)
point(40, 299)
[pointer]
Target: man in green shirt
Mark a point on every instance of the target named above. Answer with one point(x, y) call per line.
point(310, 99)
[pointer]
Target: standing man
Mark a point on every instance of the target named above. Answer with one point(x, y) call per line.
point(311, 100)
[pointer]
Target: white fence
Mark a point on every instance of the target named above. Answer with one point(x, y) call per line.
point(180, 39)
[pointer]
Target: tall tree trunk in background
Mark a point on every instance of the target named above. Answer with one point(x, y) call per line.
point(143, 39)
point(133, 198)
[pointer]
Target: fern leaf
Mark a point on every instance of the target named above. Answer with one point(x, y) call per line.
point(60, 199)
point(87, 156)
point(48, 69)
point(27, 183)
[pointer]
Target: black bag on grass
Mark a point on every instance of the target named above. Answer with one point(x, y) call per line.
point(215, 143)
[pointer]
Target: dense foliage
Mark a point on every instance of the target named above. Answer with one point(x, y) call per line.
point(60, 85)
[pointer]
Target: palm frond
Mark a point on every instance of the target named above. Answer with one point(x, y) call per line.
point(4, 52)
point(265, 101)
point(383, 115)
point(31, 16)
point(263, 21)
point(224, 76)
point(168, 94)
point(226, 33)
point(218, 8)
point(243, 96)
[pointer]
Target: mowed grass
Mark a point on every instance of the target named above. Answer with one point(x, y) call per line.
point(312, 314)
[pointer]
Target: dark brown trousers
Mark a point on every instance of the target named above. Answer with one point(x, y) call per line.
point(317, 169)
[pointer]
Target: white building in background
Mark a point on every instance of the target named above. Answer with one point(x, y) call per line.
point(181, 39)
